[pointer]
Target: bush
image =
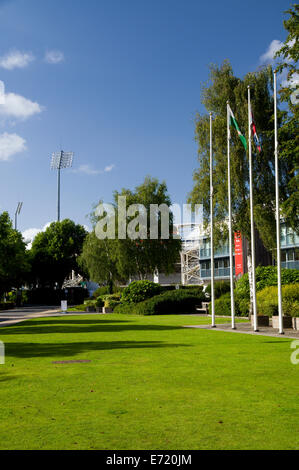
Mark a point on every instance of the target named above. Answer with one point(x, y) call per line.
point(223, 305)
point(138, 291)
point(6, 305)
point(170, 302)
point(99, 302)
point(106, 290)
point(90, 303)
point(220, 288)
point(109, 303)
point(267, 300)
point(266, 276)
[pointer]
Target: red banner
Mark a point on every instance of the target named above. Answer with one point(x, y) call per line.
point(239, 265)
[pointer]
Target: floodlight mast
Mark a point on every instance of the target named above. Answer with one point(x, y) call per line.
point(18, 210)
point(59, 161)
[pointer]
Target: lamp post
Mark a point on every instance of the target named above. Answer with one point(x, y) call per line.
point(18, 210)
point(59, 161)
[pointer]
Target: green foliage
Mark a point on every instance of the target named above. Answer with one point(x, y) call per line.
point(171, 302)
point(220, 288)
point(266, 276)
point(14, 264)
point(223, 86)
point(54, 252)
point(99, 302)
point(288, 136)
point(223, 305)
point(110, 303)
point(104, 290)
point(267, 300)
point(91, 303)
point(97, 258)
point(138, 291)
point(7, 305)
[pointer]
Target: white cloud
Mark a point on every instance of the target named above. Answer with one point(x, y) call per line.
point(16, 106)
point(30, 234)
point(54, 57)
point(16, 59)
point(10, 144)
point(88, 170)
point(268, 56)
point(109, 168)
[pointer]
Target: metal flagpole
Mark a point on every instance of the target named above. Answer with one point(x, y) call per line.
point(255, 326)
point(277, 210)
point(231, 261)
point(212, 225)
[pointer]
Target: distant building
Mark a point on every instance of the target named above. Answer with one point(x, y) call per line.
point(194, 267)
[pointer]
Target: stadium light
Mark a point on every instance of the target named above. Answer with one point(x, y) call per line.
point(18, 210)
point(59, 161)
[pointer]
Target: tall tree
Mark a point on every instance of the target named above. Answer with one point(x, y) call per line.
point(125, 257)
point(54, 252)
point(13, 257)
point(223, 86)
point(146, 254)
point(289, 135)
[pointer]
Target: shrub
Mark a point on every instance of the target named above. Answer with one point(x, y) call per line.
point(99, 302)
point(170, 302)
point(90, 303)
point(223, 305)
point(6, 305)
point(267, 276)
point(138, 291)
point(220, 288)
point(109, 303)
point(267, 300)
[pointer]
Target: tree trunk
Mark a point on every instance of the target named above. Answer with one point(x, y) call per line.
point(249, 264)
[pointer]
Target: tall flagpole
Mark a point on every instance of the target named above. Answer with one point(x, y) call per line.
point(277, 210)
point(255, 326)
point(231, 260)
point(212, 226)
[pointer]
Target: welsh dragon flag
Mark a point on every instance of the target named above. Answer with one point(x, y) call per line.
point(233, 122)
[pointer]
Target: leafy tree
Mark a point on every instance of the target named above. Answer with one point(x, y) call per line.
point(145, 255)
point(225, 86)
point(13, 258)
point(97, 259)
point(54, 252)
point(121, 259)
point(288, 134)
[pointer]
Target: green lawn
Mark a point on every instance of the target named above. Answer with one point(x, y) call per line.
point(150, 385)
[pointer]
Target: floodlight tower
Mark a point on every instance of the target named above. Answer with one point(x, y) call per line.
point(60, 160)
point(18, 210)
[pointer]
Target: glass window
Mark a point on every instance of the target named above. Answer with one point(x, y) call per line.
point(296, 254)
point(283, 255)
point(290, 255)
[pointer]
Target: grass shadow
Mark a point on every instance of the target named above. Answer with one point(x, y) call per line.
point(73, 326)
point(26, 350)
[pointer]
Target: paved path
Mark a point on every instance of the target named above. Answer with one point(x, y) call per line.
point(246, 328)
point(17, 315)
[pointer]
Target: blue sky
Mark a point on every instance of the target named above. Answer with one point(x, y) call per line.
point(118, 83)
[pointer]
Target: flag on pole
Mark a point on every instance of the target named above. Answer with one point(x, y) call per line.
point(233, 122)
point(255, 136)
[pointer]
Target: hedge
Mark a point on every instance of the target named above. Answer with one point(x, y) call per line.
point(220, 288)
point(139, 291)
point(266, 276)
point(267, 301)
point(7, 305)
point(170, 302)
